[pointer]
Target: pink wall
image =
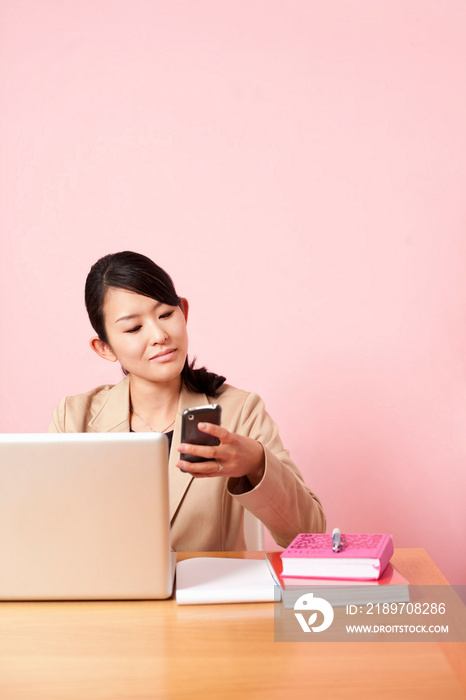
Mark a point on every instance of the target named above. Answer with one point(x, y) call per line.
point(299, 168)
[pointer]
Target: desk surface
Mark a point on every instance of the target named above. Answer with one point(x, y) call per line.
point(156, 649)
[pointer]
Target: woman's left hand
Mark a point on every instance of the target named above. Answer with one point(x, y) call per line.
point(237, 456)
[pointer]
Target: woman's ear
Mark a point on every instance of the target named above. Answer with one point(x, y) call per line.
point(184, 307)
point(102, 349)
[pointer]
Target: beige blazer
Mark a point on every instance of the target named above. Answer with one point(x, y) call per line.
point(207, 514)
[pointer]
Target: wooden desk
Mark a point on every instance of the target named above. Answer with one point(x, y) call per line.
point(136, 650)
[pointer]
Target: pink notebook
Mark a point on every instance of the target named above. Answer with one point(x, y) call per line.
point(363, 556)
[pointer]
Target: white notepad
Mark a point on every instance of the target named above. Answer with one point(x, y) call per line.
point(202, 580)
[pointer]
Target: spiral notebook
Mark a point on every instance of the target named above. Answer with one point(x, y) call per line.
point(203, 580)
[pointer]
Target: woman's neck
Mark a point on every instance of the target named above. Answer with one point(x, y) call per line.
point(154, 405)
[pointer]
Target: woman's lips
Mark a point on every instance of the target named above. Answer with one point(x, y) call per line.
point(165, 356)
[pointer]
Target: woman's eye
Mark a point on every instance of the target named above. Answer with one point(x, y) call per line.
point(167, 315)
point(133, 330)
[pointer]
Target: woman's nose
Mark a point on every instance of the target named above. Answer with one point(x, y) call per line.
point(158, 335)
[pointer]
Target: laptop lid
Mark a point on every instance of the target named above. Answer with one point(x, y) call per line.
point(84, 517)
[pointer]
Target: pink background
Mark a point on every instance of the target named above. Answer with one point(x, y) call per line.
point(299, 168)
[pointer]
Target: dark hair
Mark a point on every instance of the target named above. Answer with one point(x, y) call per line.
point(139, 274)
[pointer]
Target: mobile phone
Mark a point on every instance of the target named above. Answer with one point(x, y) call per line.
point(190, 432)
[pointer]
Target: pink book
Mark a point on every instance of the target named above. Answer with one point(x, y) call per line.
point(391, 587)
point(363, 556)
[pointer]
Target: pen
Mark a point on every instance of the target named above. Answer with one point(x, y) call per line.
point(337, 544)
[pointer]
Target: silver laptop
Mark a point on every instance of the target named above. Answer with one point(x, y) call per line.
point(84, 517)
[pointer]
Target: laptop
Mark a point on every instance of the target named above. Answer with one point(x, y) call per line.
point(85, 517)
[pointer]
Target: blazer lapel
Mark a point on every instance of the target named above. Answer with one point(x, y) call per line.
point(113, 415)
point(180, 481)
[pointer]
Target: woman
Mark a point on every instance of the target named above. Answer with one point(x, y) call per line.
point(140, 321)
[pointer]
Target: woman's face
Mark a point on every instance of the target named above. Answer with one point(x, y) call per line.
point(147, 337)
